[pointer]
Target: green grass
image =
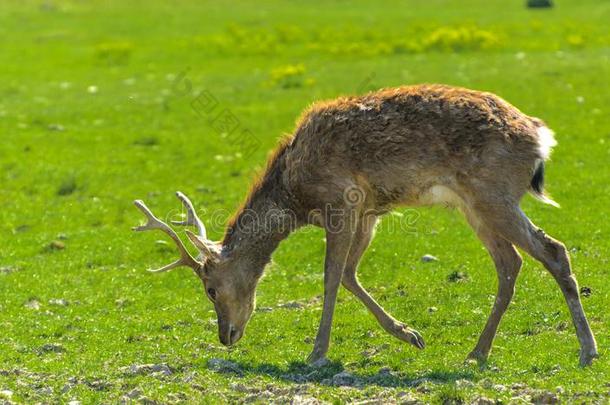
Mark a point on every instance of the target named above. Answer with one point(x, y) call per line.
point(92, 117)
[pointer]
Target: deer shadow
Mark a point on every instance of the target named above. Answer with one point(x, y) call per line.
point(330, 374)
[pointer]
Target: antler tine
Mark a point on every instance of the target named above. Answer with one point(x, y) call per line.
point(154, 223)
point(191, 216)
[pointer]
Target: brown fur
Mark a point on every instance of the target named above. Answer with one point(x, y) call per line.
point(414, 145)
point(398, 143)
point(261, 179)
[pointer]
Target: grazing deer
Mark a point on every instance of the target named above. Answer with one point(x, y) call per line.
point(353, 159)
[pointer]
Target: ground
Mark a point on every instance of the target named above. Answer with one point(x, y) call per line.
point(103, 102)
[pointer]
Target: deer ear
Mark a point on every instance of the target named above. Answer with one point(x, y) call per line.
point(200, 243)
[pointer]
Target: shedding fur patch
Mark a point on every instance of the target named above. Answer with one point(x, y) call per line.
point(439, 194)
point(546, 141)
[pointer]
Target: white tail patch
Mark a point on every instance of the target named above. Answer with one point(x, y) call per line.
point(546, 141)
point(546, 199)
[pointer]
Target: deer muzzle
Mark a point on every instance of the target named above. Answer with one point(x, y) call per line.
point(228, 333)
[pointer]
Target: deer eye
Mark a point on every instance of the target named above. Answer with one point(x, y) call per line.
point(212, 293)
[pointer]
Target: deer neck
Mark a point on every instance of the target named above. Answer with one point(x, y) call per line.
point(267, 217)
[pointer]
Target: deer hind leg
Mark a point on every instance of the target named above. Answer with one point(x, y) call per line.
point(508, 263)
point(361, 240)
point(514, 226)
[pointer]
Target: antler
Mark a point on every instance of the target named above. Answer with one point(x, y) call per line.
point(154, 223)
point(191, 217)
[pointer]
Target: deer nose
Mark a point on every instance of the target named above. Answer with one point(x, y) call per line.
point(230, 336)
point(235, 334)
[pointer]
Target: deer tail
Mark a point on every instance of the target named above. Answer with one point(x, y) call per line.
point(537, 184)
point(546, 141)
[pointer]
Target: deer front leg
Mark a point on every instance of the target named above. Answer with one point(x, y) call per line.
point(350, 281)
point(337, 248)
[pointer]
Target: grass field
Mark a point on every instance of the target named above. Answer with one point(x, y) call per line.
point(98, 107)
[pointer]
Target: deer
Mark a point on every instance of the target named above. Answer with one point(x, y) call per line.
point(351, 160)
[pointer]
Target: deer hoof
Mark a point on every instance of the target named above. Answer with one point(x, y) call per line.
point(477, 357)
point(320, 363)
point(403, 332)
point(317, 359)
point(587, 356)
point(416, 339)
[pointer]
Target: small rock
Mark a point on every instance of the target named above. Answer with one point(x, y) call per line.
point(122, 302)
point(66, 388)
point(304, 400)
point(22, 228)
point(429, 258)
point(239, 387)
point(6, 394)
point(59, 301)
point(585, 291)
point(150, 369)
point(463, 384)
point(344, 379)
point(292, 305)
point(99, 385)
point(457, 276)
point(45, 391)
point(432, 309)
point(545, 397)
point(407, 398)
point(147, 401)
point(297, 378)
point(134, 393)
point(561, 326)
point(385, 371)
point(424, 387)
point(223, 366)
point(539, 3)
point(162, 369)
point(7, 269)
point(188, 377)
point(368, 353)
point(67, 186)
point(52, 348)
point(57, 245)
point(55, 127)
point(176, 397)
point(518, 386)
point(32, 304)
point(520, 399)
point(486, 383)
point(483, 401)
point(499, 388)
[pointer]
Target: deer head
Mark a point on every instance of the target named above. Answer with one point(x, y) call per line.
point(229, 288)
